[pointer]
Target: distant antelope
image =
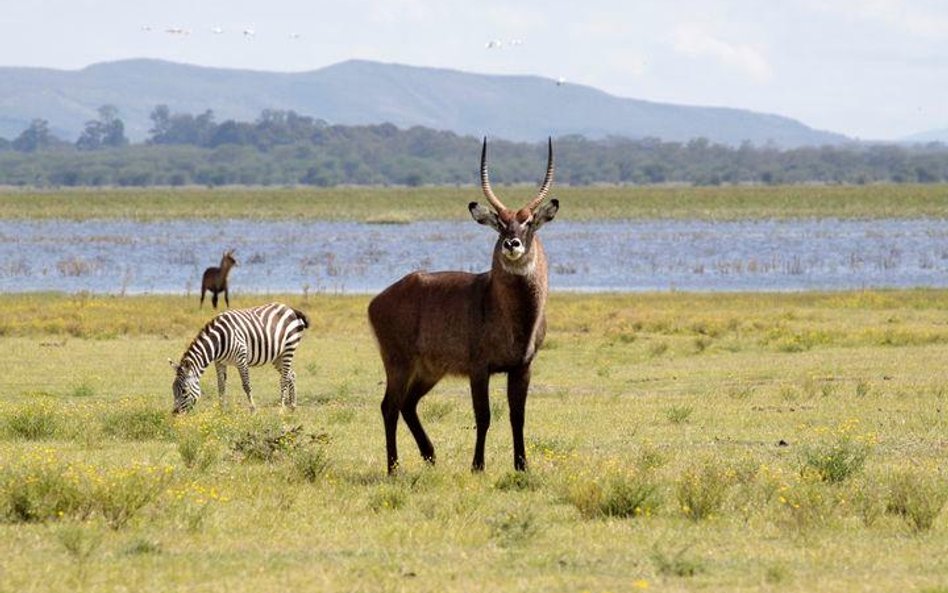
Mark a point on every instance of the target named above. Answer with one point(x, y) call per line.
point(215, 279)
point(429, 325)
point(268, 334)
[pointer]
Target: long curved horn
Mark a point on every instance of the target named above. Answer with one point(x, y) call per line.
point(547, 181)
point(485, 182)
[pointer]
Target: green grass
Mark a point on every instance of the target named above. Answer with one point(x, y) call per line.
point(743, 465)
point(404, 205)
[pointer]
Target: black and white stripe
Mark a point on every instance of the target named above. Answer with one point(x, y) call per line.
point(268, 334)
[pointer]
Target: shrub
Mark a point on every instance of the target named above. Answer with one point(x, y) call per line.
point(621, 494)
point(679, 414)
point(650, 458)
point(43, 490)
point(310, 463)
point(679, 564)
point(141, 547)
point(513, 526)
point(702, 490)
point(868, 500)
point(389, 497)
point(805, 505)
point(120, 493)
point(917, 499)
point(271, 444)
point(79, 541)
point(197, 450)
point(83, 390)
point(518, 481)
point(657, 349)
point(33, 421)
point(134, 423)
point(835, 462)
point(40, 490)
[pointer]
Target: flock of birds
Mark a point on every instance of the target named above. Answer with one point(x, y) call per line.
point(250, 33)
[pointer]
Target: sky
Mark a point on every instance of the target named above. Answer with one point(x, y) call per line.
point(870, 69)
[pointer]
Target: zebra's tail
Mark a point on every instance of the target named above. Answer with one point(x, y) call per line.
point(302, 317)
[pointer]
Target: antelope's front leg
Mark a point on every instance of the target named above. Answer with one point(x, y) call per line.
point(518, 382)
point(480, 396)
point(221, 369)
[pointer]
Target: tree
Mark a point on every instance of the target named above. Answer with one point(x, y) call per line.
point(36, 137)
point(160, 123)
point(181, 128)
point(106, 132)
point(113, 128)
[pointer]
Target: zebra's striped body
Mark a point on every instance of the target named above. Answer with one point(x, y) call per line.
point(268, 334)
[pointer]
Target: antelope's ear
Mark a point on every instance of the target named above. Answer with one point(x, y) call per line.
point(484, 216)
point(545, 213)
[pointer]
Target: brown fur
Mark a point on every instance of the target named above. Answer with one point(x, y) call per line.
point(215, 279)
point(429, 325)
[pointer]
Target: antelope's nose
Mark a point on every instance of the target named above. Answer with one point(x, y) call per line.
point(511, 244)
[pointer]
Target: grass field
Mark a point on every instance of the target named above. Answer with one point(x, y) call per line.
point(792, 442)
point(408, 204)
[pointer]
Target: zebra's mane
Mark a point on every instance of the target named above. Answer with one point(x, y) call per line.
point(185, 359)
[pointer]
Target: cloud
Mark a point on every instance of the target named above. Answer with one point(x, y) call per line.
point(694, 41)
point(906, 16)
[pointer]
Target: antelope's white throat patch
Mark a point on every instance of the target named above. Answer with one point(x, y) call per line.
point(519, 265)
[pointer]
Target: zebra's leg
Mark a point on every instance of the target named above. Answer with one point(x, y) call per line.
point(221, 380)
point(245, 379)
point(287, 382)
point(280, 368)
point(291, 388)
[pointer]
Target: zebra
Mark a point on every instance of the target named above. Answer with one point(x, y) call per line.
point(268, 334)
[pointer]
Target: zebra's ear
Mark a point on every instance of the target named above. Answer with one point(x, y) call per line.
point(173, 364)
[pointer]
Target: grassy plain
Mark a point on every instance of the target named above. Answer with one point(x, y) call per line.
point(792, 442)
point(427, 203)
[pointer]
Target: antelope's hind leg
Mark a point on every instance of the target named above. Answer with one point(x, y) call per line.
point(395, 386)
point(416, 391)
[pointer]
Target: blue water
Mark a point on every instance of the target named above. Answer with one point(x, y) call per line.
point(340, 257)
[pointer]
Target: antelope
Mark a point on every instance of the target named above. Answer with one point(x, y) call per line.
point(215, 279)
point(429, 325)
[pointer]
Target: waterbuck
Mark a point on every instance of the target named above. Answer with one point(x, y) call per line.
point(215, 279)
point(429, 325)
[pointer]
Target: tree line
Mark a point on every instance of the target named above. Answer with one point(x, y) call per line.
point(286, 148)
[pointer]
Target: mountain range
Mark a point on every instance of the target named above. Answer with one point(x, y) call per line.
point(355, 92)
point(940, 135)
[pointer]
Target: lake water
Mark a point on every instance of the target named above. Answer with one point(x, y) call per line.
point(115, 256)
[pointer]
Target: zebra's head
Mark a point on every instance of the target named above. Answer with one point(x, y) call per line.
point(186, 387)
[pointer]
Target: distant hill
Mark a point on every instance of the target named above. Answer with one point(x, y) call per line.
point(929, 136)
point(519, 108)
